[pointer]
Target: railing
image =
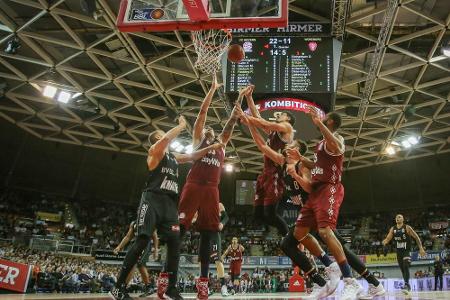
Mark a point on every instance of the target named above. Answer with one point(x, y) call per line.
point(59, 246)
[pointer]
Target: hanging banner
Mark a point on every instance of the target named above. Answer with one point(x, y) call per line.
point(14, 276)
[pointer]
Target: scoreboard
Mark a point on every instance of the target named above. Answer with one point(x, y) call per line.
point(284, 64)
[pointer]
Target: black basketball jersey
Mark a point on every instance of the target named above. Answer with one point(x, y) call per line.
point(293, 190)
point(402, 238)
point(164, 178)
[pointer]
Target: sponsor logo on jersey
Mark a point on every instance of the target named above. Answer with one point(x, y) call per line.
point(166, 170)
point(211, 161)
point(142, 213)
point(169, 185)
point(317, 171)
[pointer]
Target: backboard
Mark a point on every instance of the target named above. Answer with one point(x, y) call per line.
point(168, 15)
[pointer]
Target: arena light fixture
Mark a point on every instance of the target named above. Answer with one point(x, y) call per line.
point(64, 97)
point(49, 91)
point(229, 168)
point(189, 149)
point(174, 145)
point(76, 95)
point(446, 50)
point(179, 148)
point(413, 140)
point(390, 150)
point(406, 144)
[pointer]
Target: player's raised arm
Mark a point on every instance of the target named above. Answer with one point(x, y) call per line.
point(304, 178)
point(389, 237)
point(416, 237)
point(199, 124)
point(157, 150)
point(196, 155)
point(333, 143)
point(126, 239)
point(250, 103)
point(225, 136)
point(268, 126)
point(260, 143)
point(295, 155)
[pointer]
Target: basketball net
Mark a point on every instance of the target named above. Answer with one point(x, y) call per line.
point(210, 45)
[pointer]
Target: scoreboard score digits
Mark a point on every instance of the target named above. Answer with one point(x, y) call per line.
point(283, 64)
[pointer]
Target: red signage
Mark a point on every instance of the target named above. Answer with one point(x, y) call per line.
point(197, 10)
point(14, 276)
point(286, 104)
point(296, 283)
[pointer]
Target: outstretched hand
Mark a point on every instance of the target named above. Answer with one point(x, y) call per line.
point(215, 84)
point(248, 91)
point(217, 146)
point(315, 115)
point(182, 122)
point(294, 154)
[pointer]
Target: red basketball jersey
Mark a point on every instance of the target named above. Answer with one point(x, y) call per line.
point(275, 142)
point(327, 166)
point(236, 254)
point(207, 169)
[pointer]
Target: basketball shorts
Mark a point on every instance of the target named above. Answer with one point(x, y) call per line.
point(235, 268)
point(403, 257)
point(203, 199)
point(269, 189)
point(157, 211)
point(216, 247)
point(322, 208)
point(143, 259)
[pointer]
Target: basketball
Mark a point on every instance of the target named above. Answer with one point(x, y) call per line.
point(157, 14)
point(236, 53)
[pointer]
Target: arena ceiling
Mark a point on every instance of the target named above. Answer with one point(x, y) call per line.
point(126, 81)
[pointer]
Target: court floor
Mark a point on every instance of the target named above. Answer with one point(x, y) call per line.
point(285, 296)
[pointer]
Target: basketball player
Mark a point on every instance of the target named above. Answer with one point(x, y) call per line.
point(375, 287)
point(269, 185)
point(142, 263)
point(158, 210)
point(216, 249)
point(201, 192)
point(326, 194)
point(402, 234)
point(235, 251)
point(297, 195)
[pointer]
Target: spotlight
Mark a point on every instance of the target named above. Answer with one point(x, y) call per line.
point(413, 140)
point(446, 49)
point(49, 91)
point(229, 168)
point(406, 144)
point(76, 95)
point(188, 149)
point(390, 150)
point(179, 148)
point(13, 45)
point(175, 145)
point(64, 97)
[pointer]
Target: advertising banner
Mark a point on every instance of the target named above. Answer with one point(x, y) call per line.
point(14, 276)
point(373, 259)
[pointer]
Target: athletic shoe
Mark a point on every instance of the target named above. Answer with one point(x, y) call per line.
point(318, 292)
point(210, 292)
point(148, 291)
point(119, 294)
point(173, 294)
point(202, 288)
point(162, 283)
point(406, 289)
point(351, 290)
point(374, 291)
point(224, 291)
point(334, 275)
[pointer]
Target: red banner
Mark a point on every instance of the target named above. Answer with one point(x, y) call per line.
point(14, 276)
point(198, 10)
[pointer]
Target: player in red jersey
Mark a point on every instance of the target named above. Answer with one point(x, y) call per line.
point(201, 193)
point(235, 252)
point(326, 194)
point(270, 185)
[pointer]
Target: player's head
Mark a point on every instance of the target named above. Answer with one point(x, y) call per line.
point(333, 121)
point(234, 240)
point(286, 116)
point(208, 132)
point(295, 144)
point(399, 219)
point(155, 136)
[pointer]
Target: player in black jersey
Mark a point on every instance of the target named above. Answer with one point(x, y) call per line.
point(402, 234)
point(141, 265)
point(158, 210)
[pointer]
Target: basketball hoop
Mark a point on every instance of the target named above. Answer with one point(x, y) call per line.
point(210, 45)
